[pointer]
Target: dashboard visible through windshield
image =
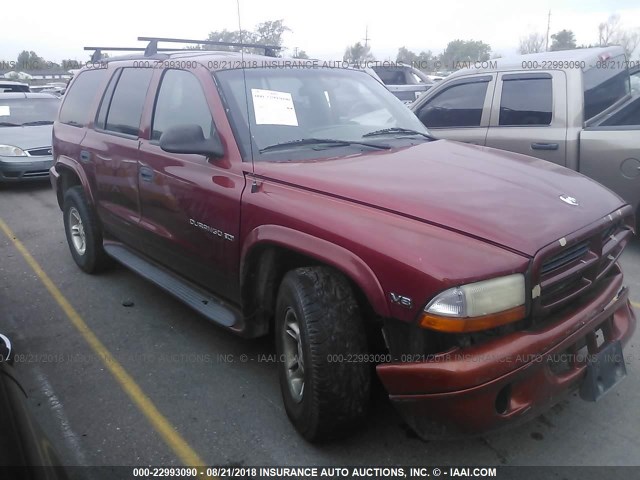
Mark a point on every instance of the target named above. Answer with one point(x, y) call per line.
point(299, 108)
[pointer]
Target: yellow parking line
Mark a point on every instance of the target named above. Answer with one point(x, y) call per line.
point(167, 431)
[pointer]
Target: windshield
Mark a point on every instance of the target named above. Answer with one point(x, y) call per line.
point(288, 105)
point(604, 85)
point(28, 111)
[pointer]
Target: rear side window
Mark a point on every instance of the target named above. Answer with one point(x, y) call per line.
point(181, 101)
point(526, 102)
point(79, 99)
point(125, 108)
point(458, 106)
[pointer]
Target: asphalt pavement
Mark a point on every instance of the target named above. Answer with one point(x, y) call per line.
point(162, 383)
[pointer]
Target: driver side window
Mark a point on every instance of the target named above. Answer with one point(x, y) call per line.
point(458, 106)
point(181, 101)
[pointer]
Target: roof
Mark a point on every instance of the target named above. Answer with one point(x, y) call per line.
point(216, 59)
point(15, 95)
point(587, 55)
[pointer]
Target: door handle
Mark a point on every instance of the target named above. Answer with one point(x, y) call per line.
point(146, 174)
point(545, 146)
point(85, 157)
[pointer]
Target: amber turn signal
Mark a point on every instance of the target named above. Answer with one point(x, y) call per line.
point(471, 324)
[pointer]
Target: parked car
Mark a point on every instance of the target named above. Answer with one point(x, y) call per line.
point(25, 451)
point(25, 135)
point(7, 86)
point(404, 81)
point(309, 202)
point(572, 108)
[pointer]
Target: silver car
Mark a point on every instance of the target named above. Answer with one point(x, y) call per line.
point(26, 120)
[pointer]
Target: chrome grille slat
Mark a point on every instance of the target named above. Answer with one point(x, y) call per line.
point(40, 152)
point(567, 274)
point(564, 258)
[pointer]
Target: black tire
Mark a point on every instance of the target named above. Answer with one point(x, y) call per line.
point(331, 334)
point(93, 259)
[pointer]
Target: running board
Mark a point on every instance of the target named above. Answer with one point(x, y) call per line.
point(197, 298)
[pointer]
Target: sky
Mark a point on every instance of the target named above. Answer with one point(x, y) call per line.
point(323, 28)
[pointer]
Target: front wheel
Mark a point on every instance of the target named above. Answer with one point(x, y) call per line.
point(320, 340)
point(83, 232)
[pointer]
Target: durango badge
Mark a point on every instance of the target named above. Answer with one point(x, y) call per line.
point(569, 200)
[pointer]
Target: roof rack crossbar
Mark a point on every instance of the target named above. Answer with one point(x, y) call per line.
point(269, 50)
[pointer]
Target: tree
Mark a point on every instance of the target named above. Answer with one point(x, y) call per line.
point(611, 32)
point(30, 61)
point(464, 51)
point(421, 60)
point(358, 53)
point(266, 33)
point(299, 53)
point(563, 40)
point(533, 43)
point(406, 56)
point(271, 32)
point(629, 41)
point(69, 64)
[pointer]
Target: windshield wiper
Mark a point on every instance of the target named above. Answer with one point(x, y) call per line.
point(9, 124)
point(392, 130)
point(316, 141)
point(39, 122)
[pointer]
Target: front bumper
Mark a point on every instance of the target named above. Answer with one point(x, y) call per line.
point(510, 379)
point(23, 169)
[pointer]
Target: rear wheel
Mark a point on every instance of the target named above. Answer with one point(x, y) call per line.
point(319, 337)
point(83, 232)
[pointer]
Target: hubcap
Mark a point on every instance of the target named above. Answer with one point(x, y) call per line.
point(293, 358)
point(77, 231)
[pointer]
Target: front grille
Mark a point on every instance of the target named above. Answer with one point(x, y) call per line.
point(40, 152)
point(565, 257)
point(569, 272)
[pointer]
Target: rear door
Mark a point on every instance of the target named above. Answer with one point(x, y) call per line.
point(190, 204)
point(529, 115)
point(112, 148)
point(459, 110)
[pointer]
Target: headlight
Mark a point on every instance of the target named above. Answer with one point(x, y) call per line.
point(11, 151)
point(477, 306)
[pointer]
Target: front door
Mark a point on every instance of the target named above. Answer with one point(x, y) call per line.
point(190, 204)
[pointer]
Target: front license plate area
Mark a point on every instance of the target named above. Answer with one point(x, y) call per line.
point(605, 370)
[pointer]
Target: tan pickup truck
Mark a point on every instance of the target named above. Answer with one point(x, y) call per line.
point(574, 108)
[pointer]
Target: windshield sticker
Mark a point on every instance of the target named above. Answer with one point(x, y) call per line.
point(5, 111)
point(273, 108)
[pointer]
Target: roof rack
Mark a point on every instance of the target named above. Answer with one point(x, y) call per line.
point(152, 48)
point(269, 50)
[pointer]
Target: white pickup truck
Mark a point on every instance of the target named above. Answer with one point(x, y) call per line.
point(574, 108)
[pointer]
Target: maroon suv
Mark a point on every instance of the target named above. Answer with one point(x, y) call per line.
point(480, 285)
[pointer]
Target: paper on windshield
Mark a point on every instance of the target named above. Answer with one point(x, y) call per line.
point(273, 108)
point(5, 111)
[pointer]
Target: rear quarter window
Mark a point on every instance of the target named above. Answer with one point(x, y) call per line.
point(79, 98)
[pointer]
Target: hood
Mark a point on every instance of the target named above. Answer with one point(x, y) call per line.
point(35, 136)
point(505, 198)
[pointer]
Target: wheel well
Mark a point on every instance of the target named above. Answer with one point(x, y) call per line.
point(68, 179)
point(263, 272)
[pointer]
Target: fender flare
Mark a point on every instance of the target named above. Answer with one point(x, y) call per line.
point(66, 163)
point(329, 253)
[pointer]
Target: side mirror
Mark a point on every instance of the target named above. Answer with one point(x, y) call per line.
point(190, 139)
